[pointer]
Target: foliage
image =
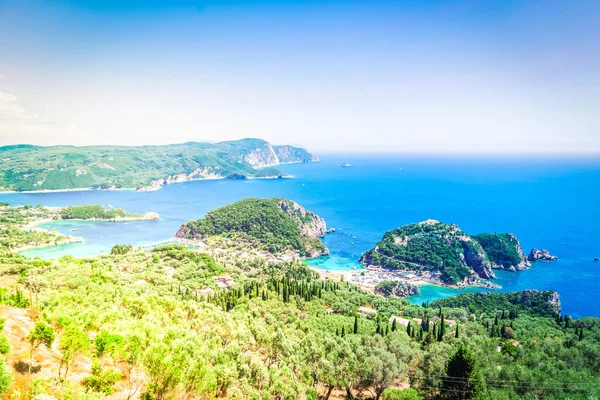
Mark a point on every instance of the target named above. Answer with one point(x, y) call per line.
point(500, 248)
point(437, 247)
point(101, 380)
point(397, 394)
point(121, 249)
point(424, 246)
point(93, 211)
point(262, 221)
point(281, 332)
point(532, 302)
point(65, 167)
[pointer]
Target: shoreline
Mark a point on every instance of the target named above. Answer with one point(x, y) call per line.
point(370, 278)
point(144, 189)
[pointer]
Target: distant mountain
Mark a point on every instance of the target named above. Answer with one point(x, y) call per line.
point(27, 167)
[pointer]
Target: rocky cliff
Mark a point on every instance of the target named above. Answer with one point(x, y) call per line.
point(504, 251)
point(267, 155)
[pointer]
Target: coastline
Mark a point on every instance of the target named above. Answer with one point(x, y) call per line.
point(64, 190)
point(69, 240)
point(149, 188)
point(369, 278)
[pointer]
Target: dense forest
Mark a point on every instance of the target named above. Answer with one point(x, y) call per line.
point(272, 224)
point(443, 248)
point(27, 167)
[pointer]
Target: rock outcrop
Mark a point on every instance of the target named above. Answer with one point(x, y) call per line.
point(396, 288)
point(540, 255)
point(310, 223)
point(268, 155)
point(475, 257)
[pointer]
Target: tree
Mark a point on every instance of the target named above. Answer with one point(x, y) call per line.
point(457, 334)
point(42, 333)
point(73, 342)
point(462, 379)
point(355, 324)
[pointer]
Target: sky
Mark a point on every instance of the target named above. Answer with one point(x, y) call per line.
point(414, 76)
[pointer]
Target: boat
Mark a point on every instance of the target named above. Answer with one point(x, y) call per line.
point(346, 165)
point(74, 229)
point(596, 258)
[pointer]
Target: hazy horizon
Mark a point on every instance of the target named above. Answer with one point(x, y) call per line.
point(412, 77)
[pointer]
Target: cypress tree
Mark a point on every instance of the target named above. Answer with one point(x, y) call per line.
point(355, 324)
point(408, 328)
point(387, 329)
point(442, 330)
point(457, 334)
point(343, 331)
point(580, 334)
point(394, 325)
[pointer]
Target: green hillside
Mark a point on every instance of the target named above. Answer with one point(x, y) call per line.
point(442, 248)
point(26, 167)
point(272, 224)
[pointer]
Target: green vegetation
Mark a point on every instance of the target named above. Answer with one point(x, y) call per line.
point(280, 332)
point(532, 302)
point(500, 248)
point(437, 247)
point(26, 167)
point(94, 211)
point(275, 225)
point(160, 324)
point(425, 246)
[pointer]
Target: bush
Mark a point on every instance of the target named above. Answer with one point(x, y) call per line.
point(397, 394)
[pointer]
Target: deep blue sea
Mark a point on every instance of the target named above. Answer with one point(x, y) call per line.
point(551, 203)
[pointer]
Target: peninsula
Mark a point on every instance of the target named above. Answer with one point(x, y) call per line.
point(19, 229)
point(273, 226)
point(145, 168)
point(442, 254)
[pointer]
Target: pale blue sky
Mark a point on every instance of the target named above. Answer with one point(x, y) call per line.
point(390, 76)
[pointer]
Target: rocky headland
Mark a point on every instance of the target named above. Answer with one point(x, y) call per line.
point(438, 253)
point(277, 226)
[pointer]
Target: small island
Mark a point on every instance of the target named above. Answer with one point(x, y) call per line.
point(267, 228)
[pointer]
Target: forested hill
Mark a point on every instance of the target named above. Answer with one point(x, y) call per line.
point(27, 167)
point(446, 250)
point(276, 225)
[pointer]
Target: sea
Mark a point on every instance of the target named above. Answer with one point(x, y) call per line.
point(549, 202)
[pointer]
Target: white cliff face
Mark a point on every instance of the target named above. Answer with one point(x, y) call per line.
point(310, 223)
point(269, 155)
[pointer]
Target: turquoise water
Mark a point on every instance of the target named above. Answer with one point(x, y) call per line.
point(549, 203)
